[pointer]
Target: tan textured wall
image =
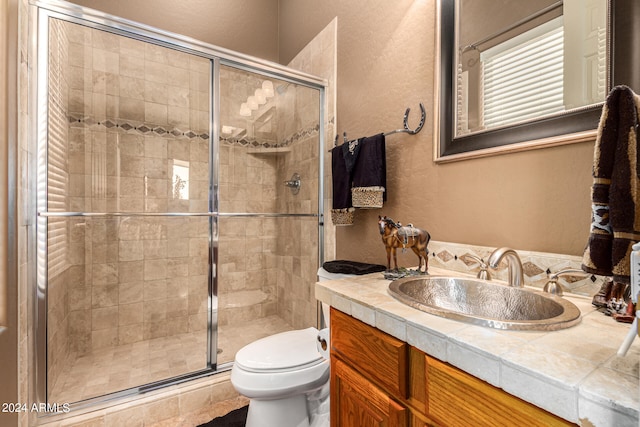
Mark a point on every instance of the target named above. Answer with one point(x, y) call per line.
point(536, 200)
point(247, 26)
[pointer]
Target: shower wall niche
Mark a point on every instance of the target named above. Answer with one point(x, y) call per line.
point(166, 242)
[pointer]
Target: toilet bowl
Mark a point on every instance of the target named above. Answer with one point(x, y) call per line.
point(286, 376)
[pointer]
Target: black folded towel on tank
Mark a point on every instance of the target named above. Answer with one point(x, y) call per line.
point(352, 267)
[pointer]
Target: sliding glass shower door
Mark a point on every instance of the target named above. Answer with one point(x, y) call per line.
point(178, 208)
point(124, 212)
point(268, 221)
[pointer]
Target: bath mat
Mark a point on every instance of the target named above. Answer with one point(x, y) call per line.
point(235, 418)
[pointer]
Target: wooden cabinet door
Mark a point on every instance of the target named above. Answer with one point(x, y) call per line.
point(380, 357)
point(457, 399)
point(355, 402)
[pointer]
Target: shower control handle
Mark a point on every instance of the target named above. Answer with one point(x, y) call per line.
point(294, 183)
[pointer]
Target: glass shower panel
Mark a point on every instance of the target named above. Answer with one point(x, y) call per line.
point(127, 197)
point(130, 308)
point(269, 131)
point(268, 226)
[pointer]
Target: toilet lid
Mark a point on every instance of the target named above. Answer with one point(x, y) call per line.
point(281, 352)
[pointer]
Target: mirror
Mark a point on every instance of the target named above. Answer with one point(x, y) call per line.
point(517, 62)
point(490, 103)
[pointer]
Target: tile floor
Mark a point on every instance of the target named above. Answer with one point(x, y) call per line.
point(132, 365)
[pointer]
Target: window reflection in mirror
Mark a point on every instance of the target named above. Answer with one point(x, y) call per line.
point(519, 61)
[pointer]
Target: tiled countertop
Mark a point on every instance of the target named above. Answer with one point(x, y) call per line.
point(573, 373)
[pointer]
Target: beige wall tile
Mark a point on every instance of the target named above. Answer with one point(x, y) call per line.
point(131, 292)
point(131, 417)
point(155, 269)
point(132, 106)
point(104, 296)
point(130, 271)
point(178, 95)
point(104, 60)
point(162, 410)
point(179, 116)
point(103, 318)
point(130, 334)
point(103, 338)
point(155, 72)
point(194, 400)
point(156, 167)
point(155, 290)
point(155, 114)
point(130, 251)
point(130, 314)
point(155, 92)
point(131, 47)
point(130, 87)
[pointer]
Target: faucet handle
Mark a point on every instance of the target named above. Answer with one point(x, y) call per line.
point(553, 287)
point(484, 272)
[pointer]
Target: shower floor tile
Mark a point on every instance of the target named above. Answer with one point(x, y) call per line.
point(136, 364)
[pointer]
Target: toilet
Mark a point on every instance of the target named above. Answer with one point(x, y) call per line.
point(286, 376)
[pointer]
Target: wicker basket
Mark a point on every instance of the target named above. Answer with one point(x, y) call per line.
point(367, 197)
point(342, 216)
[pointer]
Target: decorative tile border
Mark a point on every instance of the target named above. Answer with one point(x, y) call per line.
point(141, 128)
point(536, 266)
point(292, 139)
point(302, 134)
point(150, 129)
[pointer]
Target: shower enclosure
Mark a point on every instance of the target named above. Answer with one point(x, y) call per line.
point(166, 235)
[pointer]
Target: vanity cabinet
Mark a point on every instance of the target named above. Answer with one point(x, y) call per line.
point(378, 380)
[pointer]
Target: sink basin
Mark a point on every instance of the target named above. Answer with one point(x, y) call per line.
point(486, 303)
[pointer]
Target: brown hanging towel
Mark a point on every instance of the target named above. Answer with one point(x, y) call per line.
point(615, 225)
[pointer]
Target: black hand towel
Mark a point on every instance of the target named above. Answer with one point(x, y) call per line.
point(342, 162)
point(615, 225)
point(370, 172)
point(341, 180)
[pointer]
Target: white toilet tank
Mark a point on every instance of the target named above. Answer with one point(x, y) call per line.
point(360, 268)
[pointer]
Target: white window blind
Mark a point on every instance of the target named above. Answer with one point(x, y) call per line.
point(57, 165)
point(523, 78)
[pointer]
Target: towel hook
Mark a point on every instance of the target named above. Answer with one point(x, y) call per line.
point(423, 117)
point(406, 129)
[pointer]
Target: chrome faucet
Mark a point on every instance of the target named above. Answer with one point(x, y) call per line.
point(514, 264)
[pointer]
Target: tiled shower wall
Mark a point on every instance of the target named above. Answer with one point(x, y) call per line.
point(135, 112)
point(297, 244)
point(246, 256)
point(298, 238)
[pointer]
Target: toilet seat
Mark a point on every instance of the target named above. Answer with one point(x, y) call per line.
point(283, 352)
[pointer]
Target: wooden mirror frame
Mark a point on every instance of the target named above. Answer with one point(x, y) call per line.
point(573, 126)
